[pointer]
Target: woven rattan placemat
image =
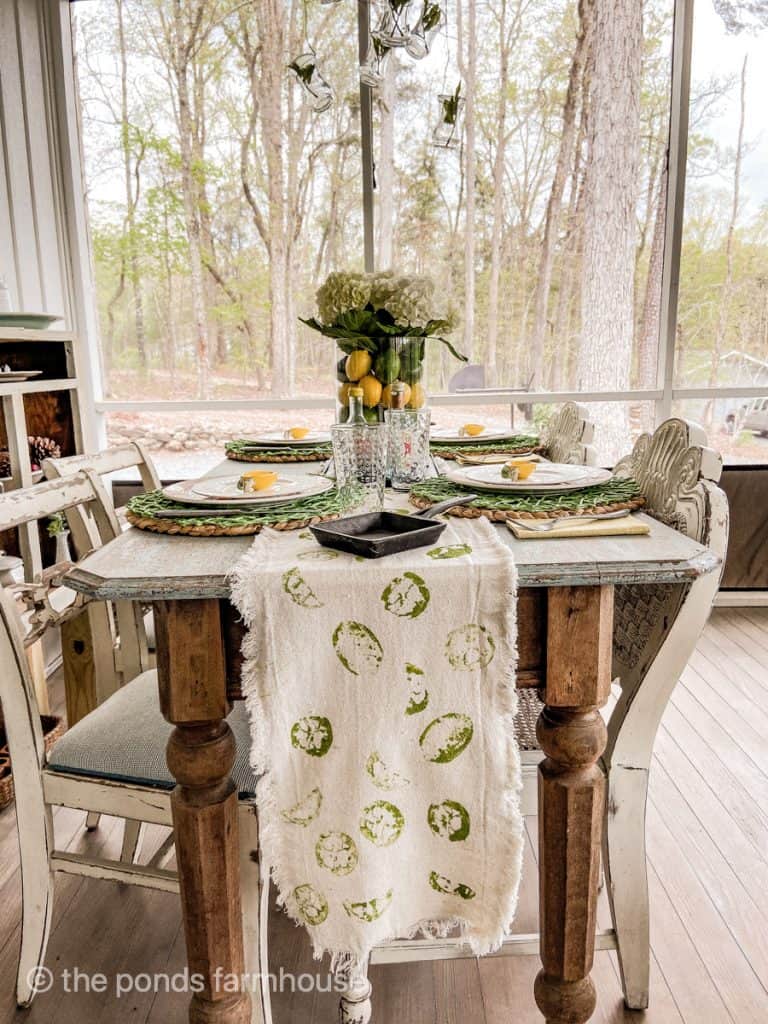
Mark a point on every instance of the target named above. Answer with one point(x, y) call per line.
point(508, 446)
point(611, 496)
point(142, 513)
point(242, 451)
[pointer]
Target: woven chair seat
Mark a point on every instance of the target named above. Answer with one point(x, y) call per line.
point(125, 738)
point(528, 709)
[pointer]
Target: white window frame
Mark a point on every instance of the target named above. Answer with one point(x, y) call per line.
point(663, 396)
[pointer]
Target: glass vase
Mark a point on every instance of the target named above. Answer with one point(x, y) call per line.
point(393, 29)
point(372, 68)
point(360, 453)
point(447, 133)
point(317, 90)
point(376, 365)
point(408, 446)
point(424, 31)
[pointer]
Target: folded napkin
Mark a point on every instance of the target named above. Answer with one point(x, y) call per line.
point(624, 527)
point(381, 696)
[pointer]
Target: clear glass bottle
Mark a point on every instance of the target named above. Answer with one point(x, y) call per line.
point(356, 416)
point(360, 452)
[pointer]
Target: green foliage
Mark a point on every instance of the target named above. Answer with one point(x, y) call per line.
point(144, 260)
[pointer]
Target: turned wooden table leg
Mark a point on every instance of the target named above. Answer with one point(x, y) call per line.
point(572, 734)
point(201, 752)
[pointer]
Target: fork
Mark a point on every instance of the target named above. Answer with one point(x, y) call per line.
point(491, 460)
point(552, 524)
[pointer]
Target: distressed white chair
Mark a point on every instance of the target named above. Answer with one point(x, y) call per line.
point(656, 630)
point(130, 638)
point(111, 762)
point(568, 435)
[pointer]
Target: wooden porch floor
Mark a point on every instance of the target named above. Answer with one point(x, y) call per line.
point(708, 851)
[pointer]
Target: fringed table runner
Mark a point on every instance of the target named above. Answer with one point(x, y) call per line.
point(382, 698)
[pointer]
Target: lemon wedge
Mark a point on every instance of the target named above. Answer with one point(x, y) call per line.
point(471, 430)
point(296, 433)
point(256, 480)
point(517, 469)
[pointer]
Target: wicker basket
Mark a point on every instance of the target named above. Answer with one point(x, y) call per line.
point(53, 727)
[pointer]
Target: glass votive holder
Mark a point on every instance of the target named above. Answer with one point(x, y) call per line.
point(360, 458)
point(408, 446)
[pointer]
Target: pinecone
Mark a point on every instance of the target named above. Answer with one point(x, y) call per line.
point(42, 448)
point(5, 464)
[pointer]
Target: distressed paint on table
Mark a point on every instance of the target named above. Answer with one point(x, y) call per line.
point(148, 567)
point(570, 654)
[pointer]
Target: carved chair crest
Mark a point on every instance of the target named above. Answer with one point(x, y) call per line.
point(669, 466)
point(568, 434)
point(677, 474)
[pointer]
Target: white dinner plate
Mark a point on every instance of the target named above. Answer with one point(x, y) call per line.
point(451, 434)
point(217, 491)
point(547, 478)
point(277, 438)
point(8, 376)
point(30, 321)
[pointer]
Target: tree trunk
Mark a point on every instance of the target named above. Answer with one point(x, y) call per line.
point(468, 70)
point(650, 320)
point(181, 61)
point(554, 203)
point(131, 199)
point(727, 289)
point(608, 264)
point(497, 231)
point(567, 305)
point(271, 17)
point(385, 166)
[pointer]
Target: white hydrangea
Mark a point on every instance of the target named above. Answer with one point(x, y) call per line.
point(341, 292)
point(411, 301)
point(408, 299)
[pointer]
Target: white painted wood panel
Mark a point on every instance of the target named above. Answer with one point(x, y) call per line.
point(33, 248)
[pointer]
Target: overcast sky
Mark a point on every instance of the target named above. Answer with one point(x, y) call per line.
point(715, 52)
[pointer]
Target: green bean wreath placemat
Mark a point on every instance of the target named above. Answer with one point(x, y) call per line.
point(611, 496)
point(243, 450)
point(290, 515)
point(476, 446)
point(381, 698)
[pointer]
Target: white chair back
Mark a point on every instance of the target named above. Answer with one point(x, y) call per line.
point(568, 436)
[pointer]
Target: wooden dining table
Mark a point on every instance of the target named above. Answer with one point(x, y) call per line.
point(565, 632)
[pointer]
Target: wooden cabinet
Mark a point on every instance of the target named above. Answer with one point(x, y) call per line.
point(46, 405)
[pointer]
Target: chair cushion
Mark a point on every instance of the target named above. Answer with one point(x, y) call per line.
point(125, 739)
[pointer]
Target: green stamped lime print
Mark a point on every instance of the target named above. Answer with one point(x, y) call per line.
point(313, 735)
point(306, 810)
point(382, 823)
point(446, 737)
point(470, 647)
point(311, 904)
point(299, 590)
point(444, 885)
point(337, 852)
point(419, 696)
point(369, 910)
point(450, 551)
point(450, 820)
point(406, 596)
point(357, 648)
point(382, 776)
point(318, 555)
